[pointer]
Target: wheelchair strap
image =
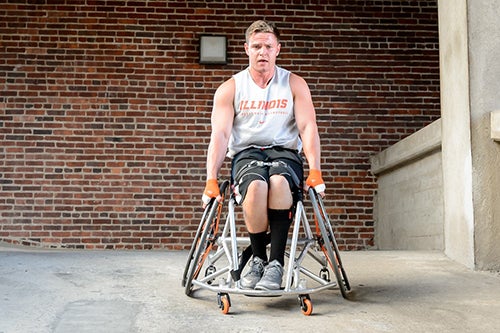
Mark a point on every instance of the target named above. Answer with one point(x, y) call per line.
point(263, 164)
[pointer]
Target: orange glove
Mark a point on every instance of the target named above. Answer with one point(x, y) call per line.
point(211, 191)
point(314, 180)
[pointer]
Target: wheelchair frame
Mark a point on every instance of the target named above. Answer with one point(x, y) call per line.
point(210, 246)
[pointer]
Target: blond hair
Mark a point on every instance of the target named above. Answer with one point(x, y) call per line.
point(262, 26)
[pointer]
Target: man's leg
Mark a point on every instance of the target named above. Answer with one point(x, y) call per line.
point(280, 202)
point(275, 200)
point(255, 214)
point(256, 219)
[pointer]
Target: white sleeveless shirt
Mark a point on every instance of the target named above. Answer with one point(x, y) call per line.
point(264, 117)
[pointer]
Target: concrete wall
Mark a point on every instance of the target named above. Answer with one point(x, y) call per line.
point(470, 67)
point(456, 139)
point(484, 64)
point(470, 150)
point(409, 202)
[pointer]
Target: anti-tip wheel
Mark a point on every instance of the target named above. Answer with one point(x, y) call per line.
point(306, 305)
point(224, 303)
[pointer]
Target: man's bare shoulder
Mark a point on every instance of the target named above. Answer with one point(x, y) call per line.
point(296, 79)
point(227, 87)
point(298, 84)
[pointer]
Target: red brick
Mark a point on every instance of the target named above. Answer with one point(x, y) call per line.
point(105, 111)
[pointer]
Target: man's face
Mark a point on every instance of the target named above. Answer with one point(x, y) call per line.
point(262, 49)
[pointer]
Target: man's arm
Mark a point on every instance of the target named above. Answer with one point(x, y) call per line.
point(305, 116)
point(221, 123)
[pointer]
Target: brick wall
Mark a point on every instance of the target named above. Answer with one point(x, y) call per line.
point(104, 109)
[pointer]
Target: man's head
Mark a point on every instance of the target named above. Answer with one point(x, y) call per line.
point(262, 46)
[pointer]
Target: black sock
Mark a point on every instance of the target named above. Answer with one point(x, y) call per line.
point(259, 243)
point(279, 222)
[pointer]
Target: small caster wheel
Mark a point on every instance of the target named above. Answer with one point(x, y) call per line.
point(210, 270)
point(305, 305)
point(224, 302)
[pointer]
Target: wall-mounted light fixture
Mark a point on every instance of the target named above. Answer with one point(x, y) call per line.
point(213, 49)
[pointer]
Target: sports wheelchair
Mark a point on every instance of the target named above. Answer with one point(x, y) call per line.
point(217, 258)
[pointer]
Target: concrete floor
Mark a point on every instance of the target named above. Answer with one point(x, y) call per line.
point(119, 291)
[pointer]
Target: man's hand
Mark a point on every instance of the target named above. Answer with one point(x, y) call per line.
point(211, 191)
point(315, 181)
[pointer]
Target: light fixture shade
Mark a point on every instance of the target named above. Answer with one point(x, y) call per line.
point(213, 49)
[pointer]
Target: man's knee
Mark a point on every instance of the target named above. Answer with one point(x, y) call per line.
point(256, 194)
point(280, 195)
point(257, 189)
point(279, 182)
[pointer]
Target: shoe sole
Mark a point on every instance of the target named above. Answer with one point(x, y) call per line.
point(266, 288)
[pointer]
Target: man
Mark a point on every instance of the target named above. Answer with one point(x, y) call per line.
point(261, 115)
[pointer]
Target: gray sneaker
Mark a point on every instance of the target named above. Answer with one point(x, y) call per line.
point(253, 276)
point(271, 280)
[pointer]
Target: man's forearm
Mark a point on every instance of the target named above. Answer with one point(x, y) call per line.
point(215, 157)
point(312, 148)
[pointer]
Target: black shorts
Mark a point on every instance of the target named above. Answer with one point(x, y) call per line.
point(260, 164)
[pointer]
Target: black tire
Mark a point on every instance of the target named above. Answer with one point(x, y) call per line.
point(329, 244)
point(195, 243)
point(202, 243)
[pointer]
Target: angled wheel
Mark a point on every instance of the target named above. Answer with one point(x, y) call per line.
point(328, 243)
point(195, 243)
point(205, 238)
